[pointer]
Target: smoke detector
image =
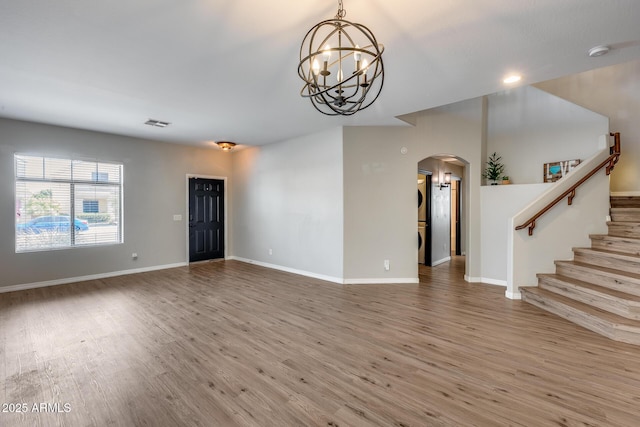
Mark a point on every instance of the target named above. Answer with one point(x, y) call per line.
point(598, 51)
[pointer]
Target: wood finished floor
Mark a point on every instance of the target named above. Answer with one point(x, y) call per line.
point(227, 343)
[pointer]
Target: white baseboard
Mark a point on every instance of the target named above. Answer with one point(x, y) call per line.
point(339, 280)
point(485, 280)
point(13, 288)
point(440, 261)
point(382, 281)
point(289, 270)
point(513, 295)
point(625, 193)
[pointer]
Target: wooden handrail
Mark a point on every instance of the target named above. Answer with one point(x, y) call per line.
point(610, 162)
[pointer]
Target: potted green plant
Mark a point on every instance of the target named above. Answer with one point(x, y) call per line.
point(493, 170)
point(506, 180)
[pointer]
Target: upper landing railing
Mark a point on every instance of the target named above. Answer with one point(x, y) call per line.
point(609, 163)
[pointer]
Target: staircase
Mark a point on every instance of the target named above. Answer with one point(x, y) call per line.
point(600, 288)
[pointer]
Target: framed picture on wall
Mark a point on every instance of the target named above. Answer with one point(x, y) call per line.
point(556, 170)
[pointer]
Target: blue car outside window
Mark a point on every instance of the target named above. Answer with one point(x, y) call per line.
point(52, 223)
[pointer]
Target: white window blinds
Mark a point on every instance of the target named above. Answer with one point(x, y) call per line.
point(50, 203)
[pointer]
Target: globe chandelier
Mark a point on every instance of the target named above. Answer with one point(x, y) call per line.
point(341, 65)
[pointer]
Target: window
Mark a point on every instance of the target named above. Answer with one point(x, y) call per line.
point(90, 206)
point(100, 176)
point(63, 203)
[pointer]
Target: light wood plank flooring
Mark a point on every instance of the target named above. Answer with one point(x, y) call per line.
point(232, 344)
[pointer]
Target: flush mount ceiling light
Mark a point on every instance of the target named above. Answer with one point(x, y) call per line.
point(226, 145)
point(157, 123)
point(341, 65)
point(598, 51)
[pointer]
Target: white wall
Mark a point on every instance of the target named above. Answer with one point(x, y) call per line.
point(288, 198)
point(529, 127)
point(499, 204)
point(614, 92)
point(154, 190)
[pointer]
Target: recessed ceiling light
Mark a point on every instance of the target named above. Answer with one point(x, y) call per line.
point(598, 51)
point(157, 123)
point(513, 78)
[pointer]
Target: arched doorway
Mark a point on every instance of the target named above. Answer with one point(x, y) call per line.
point(441, 216)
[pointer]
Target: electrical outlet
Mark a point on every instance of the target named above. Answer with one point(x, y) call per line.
point(270, 251)
point(177, 217)
point(134, 255)
point(387, 265)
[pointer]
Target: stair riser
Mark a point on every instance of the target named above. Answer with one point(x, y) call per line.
point(596, 299)
point(583, 319)
point(631, 247)
point(603, 260)
point(627, 246)
point(593, 323)
point(625, 202)
point(621, 284)
point(630, 215)
point(622, 229)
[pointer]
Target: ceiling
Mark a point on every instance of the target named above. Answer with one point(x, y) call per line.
point(227, 70)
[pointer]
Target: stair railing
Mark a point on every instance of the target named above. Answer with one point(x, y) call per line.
point(609, 163)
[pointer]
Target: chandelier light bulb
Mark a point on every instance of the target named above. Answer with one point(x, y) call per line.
point(327, 52)
point(315, 67)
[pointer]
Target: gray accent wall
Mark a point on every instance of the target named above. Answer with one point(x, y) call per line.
point(288, 204)
point(154, 191)
point(381, 206)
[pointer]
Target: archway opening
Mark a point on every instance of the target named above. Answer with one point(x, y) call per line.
point(442, 220)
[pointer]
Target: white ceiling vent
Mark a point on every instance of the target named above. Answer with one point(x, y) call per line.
point(157, 123)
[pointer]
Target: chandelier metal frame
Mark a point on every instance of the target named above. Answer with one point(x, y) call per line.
point(331, 88)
